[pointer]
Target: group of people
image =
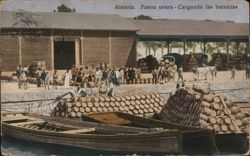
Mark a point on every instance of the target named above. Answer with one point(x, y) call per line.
point(21, 73)
point(41, 75)
point(95, 76)
point(84, 76)
point(158, 75)
point(42, 78)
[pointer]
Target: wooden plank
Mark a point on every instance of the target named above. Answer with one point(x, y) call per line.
point(14, 119)
point(233, 121)
point(28, 123)
point(75, 131)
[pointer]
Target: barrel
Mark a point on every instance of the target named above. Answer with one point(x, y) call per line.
point(150, 80)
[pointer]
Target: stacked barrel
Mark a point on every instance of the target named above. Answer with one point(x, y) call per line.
point(237, 62)
point(199, 107)
point(142, 104)
point(220, 114)
point(183, 107)
point(216, 61)
point(189, 62)
point(170, 67)
point(147, 64)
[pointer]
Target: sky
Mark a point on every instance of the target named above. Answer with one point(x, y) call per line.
point(222, 10)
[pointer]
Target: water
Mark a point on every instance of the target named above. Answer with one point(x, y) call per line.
point(18, 147)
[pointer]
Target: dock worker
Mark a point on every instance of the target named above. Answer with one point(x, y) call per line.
point(180, 75)
point(55, 80)
point(46, 84)
point(233, 72)
point(66, 79)
point(154, 74)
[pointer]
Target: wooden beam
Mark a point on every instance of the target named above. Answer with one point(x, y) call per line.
point(228, 54)
point(77, 51)
point(168, 44)
point(20, 49)
point(81, 54)
point(28, 123)
point(237, 48)
point(136, 43)
point(184, 46)
point(204, 47)
point(230, 115)
point(52, 53)
point(15, 119)
point(75, 131)
point(110, 50)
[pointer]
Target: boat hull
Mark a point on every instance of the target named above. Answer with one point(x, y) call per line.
point(149, 143)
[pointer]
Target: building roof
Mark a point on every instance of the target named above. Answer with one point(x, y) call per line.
point(148, 29)
point(191, 28)
point(38, 20)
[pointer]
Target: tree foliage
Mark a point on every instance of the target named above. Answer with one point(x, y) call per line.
point(64, 8)
point(143, 17)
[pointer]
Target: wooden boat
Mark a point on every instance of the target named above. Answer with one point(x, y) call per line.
point(90, 135)
point(194, 140)
point(123, 133)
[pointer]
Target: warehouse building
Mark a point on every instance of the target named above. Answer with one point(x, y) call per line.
point(64, 39)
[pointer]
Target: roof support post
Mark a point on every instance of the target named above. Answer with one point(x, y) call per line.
point(20, 49)
point(110, 50)
point(204, 47)
point(52, 52)
point(168, 45)
point(184, 46)
point(136, 40)
point(237, 48)
point(81, 47)
point(227, 54)
point(162, 49)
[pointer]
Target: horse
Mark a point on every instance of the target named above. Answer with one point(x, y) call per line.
point(204, 71)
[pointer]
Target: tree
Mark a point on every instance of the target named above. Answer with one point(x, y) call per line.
point(210, 48)
point(176, 45)
point(222, 45)
point(64, 8)
point(191, 45)
point(143, 17)
point(152, 45)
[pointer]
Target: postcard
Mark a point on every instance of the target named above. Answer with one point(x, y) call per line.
point(124, 77)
